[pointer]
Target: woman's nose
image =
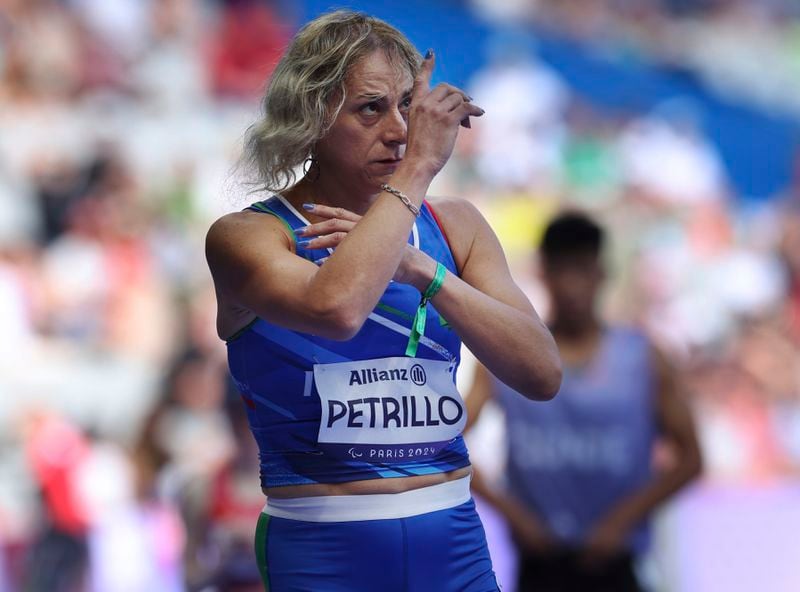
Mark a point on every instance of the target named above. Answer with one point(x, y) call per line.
point(396, 128)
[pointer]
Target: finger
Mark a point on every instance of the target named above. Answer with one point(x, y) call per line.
point(422, 83)
point(444, 90)
point(466, 110)
point(452, 102)
point(327, 241)
point(331, 212)
point(326, 227)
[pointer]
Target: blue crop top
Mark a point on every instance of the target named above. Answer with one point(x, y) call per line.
point(325, 411)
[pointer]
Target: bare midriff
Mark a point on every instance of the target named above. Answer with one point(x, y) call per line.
point(366, 487)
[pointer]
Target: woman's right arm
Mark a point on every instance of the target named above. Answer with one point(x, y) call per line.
point(254, 266)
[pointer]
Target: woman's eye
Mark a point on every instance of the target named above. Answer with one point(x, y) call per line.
point(370, 108)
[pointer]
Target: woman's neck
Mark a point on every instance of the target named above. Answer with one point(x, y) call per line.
point(330, 193)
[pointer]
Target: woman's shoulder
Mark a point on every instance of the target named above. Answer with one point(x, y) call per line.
point(460, 219)
point(450, 206)
point(458, 215)
point(245, 230)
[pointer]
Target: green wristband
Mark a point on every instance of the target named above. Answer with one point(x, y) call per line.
point(418, 326)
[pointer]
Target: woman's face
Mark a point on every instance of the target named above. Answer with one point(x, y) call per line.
point(366, 142)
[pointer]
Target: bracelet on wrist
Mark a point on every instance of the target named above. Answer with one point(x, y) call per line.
point(403, 197)
point(418, 326)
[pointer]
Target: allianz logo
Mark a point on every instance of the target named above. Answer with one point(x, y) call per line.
point(415, 374)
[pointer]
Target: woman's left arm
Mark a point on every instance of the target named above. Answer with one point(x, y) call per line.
point(484, 305)
point(487, 309)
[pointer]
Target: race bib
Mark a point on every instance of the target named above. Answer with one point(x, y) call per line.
point(388, 409)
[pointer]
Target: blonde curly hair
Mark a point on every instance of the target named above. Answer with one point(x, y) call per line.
point(307, 90)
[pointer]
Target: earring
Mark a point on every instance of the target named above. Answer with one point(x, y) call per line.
point(311, 164)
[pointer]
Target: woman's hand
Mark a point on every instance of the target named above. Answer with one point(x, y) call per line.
point(415, 268)
point(434, 118)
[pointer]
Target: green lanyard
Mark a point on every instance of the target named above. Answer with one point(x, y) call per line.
point(418, 326)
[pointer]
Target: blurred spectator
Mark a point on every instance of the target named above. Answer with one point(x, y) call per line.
point(591, 160)
point(667, 158)
point(57, 453)
point(235, 501)
point(521, 147)
point(186, 442)
point(790, 253)
point(120, 25)
point(136, 540)
point(580, 487)
point(247, 46)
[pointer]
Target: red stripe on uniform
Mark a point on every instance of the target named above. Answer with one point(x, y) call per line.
point(439, 224)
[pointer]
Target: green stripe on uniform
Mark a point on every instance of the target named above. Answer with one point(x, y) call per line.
point(404, 315)
point(262, 208)
point(261, 548)
point(394, 311)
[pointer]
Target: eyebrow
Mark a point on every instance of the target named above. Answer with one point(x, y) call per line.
point(376, 96)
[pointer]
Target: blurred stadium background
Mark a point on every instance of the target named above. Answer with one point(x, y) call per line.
point(125, 463)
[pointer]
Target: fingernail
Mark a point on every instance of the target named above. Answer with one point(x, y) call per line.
point(308, 206)
point(302, 230)
point(303, 243)
point(429, 54)
point(470, 99)
point(482, 111)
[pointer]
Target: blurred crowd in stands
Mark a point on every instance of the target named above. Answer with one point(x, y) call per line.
point(727, 42)
point(125, 463)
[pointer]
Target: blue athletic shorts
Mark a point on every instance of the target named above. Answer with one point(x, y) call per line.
point(440, 551)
